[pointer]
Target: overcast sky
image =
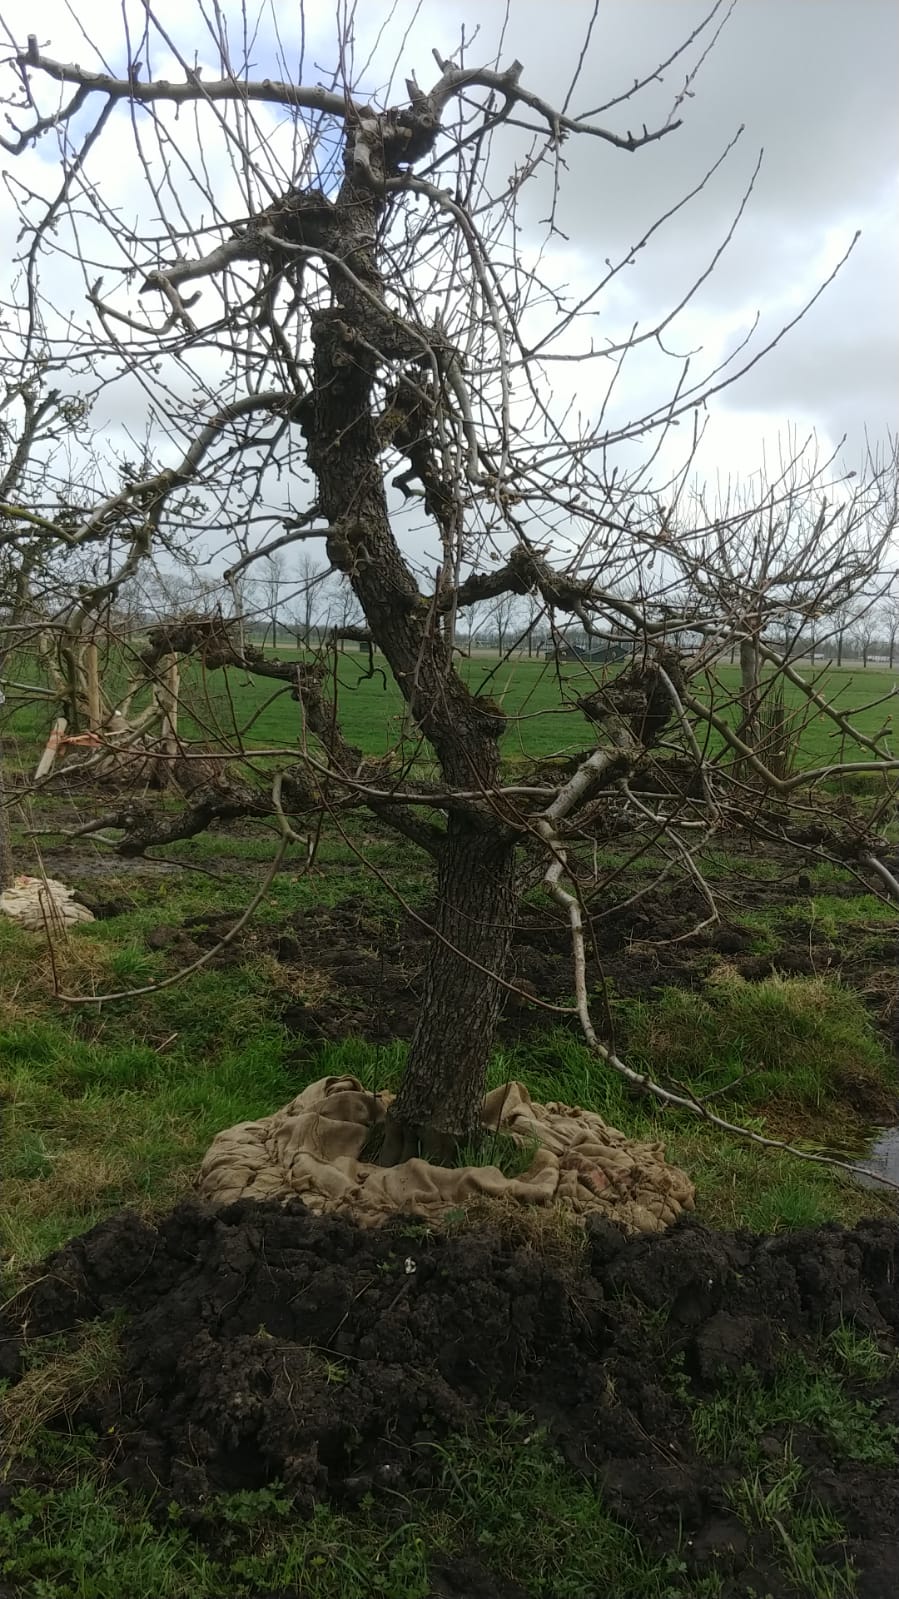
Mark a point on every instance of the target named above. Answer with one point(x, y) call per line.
point(814, 83)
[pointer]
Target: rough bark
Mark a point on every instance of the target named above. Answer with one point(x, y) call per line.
point(6, 862)
point(749, 669)
point(439, 1102)
point(440, 1099)
point(749, 689)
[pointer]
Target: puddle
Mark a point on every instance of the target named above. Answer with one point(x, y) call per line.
point(71, 865)
point(876, 1159)
point(882, 1158)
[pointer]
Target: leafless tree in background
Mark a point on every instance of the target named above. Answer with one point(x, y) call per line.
point(271, 582)
point(39, 501)
point(362, 323)
point(776, 555)
point(890, 616)
point(310, 577)
point(504, 619)
point(864, 632)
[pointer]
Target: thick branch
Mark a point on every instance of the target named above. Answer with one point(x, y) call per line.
point(212, 640)
point(146, 828)
point(414, 128)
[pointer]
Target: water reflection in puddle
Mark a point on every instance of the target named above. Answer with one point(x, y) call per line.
point(882, 1159)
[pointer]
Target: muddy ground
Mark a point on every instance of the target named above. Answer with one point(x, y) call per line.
point(235, 1322)
point(356, 969)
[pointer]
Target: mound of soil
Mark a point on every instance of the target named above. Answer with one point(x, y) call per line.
point(262, 1343)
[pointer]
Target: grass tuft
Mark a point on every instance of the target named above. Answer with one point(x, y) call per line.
point(731, 1424)
point(774, 1499)
point(794, 1039)
point(56, 1382)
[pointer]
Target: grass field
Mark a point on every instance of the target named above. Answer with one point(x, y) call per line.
point(539, 698)
point(113, 1106)
point(76, 1078)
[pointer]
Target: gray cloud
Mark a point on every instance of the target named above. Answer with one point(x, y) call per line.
point(813, 82)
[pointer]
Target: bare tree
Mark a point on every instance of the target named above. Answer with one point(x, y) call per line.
point(537, 626)
point(774, 555)
point(864, 632)
point(311, 575)
point(344, 613)
point(890, 619)
point(476, 617)
point(271, 581)
point(383, 338)
point(505, 618)
point(36, 493)
point(841, 617)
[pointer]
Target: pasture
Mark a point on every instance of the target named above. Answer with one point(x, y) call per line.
point(123, 1412)
point(231, 710)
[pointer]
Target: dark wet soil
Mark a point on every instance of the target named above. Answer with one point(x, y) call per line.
point(356, 969)
point(261, 1343)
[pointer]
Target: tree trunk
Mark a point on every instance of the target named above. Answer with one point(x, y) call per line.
point(92, 681)
point(439, 1102)
point(839, 649)
point(749, 668)
point(6, 864)
point(440, 1098)
point(749, 689)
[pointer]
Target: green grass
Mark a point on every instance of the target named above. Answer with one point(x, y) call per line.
point(117, 1107)
point(513, 1157)
point(750, 1422)
point(58, 1375)
point(774, 1499)
point(74, 1543)
point(857, 1355)
point(793, 1039)
point(732, 1424)
point(114, 1106)
point(858, 921)
point(503, 1493)
point(538, 697)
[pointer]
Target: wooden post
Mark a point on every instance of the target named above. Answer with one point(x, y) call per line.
point(6, 871)
point(168, 703)
point(51, 748)
point(92, 676)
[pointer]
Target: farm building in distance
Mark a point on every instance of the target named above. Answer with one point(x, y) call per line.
point(592, 650)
